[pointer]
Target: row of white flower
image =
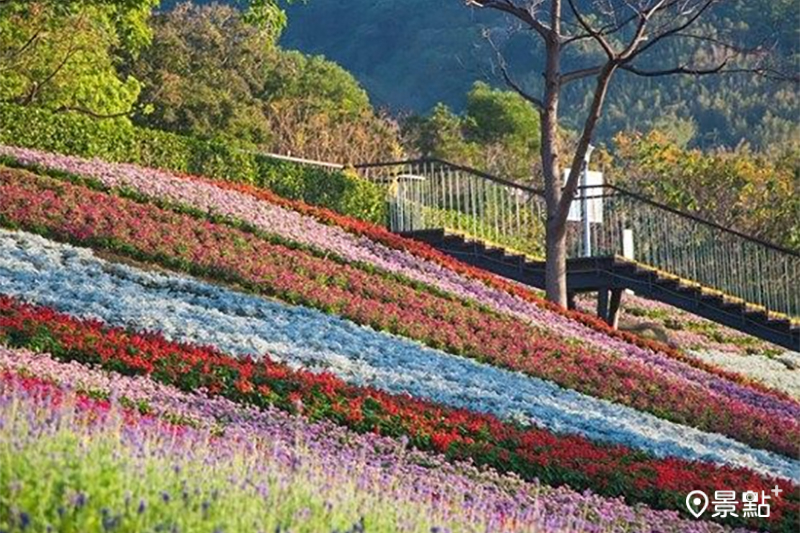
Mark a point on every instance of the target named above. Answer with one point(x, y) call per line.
point(781, 372)
point(73, 280)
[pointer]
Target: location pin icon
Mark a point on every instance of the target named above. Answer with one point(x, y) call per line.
point(697, 502)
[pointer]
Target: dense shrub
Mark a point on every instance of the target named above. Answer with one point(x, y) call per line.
point(119, 140)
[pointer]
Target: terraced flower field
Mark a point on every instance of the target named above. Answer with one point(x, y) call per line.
point(287, 367)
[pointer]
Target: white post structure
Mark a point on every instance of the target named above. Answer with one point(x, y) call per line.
point(587, 226)
point(628, 251)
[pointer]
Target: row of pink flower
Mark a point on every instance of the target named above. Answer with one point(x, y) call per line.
point(493, 497)
point(207, 196)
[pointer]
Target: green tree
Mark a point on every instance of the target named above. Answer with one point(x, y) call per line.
point(210, 73)
point(318, 110)
point(495, 115)
point(320, 84)
point(439, 135)
point(63, 54)
point(203, 74)
point(756, 193)
point(493, 133)
point(506, 127)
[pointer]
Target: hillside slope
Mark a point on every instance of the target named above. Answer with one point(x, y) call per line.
point(231, 290)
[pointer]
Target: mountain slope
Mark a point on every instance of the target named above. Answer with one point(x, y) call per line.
point(410, 55)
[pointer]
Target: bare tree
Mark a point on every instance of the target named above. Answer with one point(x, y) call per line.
point(622, 31)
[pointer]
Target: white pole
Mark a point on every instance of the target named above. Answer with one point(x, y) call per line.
point(628, 250)
point(587, 227)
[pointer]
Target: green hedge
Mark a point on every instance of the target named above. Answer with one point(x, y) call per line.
point(119, 140)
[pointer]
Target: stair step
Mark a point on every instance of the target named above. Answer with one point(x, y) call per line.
point(515, 259)
point(780, 325)
point(714, 299)
point(495, 253)
point(669, 283)
point(583, 263)
point(625, 268)
point(510, 257)
point(537, 266)
point(644, 273)
point(450, 238)
point(688, 289)
point(757, 316)
point(427, 235)
point(733, 307)
point(458, 243)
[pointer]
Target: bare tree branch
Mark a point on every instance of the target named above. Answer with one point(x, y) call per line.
point(694, 71)
point(661, 35)
point(616, 25)
point(606, 31)
point(580, 74)
point(595, 34)
point(526, 15)
point(555, 20)
point(720, 69)
point(641, 30)
point(501, 63)
point(590, 124)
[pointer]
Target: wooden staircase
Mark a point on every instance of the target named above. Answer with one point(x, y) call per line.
point(614, 274)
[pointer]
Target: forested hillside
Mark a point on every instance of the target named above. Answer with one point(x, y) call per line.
point(393, 46)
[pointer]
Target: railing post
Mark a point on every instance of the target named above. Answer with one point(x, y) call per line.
point(587, 225)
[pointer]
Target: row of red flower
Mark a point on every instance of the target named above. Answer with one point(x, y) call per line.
point(460, 434)
point(428, 253)
point(144, 231)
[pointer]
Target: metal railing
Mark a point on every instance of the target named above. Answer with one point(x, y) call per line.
point(430, 194)
point(298, 160)
point(434, 194)
point(687, 247)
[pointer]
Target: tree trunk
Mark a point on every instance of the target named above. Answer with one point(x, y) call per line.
point(555, 228)
point(559, 196)
point(555, 272)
